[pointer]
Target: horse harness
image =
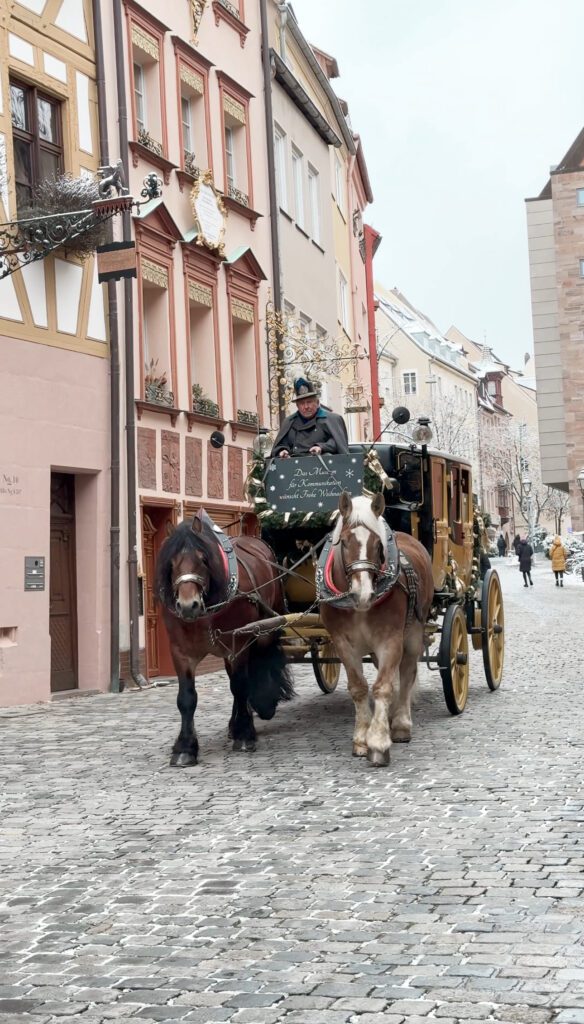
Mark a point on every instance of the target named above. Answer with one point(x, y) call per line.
point(386, 577)
point(229, 559)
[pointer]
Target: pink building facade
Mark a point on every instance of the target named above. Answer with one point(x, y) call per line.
point(54, 414)
point(194, 94)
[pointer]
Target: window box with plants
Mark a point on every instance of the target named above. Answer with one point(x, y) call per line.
point(156, 385)
point(202, 404)
point(247, 418)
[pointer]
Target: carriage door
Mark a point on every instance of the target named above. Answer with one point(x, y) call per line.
point(63, 592)
point(439, 521)
point(467, 522)
point(156, 523)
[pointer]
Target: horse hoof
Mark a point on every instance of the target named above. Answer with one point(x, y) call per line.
point(245, 746)
point(401, 736)
point(378, 758)
point(183, 760)
point(359, 750)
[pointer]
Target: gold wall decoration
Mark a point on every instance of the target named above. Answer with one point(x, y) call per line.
point(234, 108)
point(293, 352)
point(197, 9)
point(242, 311)
point(145, 42)
point(192, 79)
point(209, 213)
point(154, 273)
point(200, 294)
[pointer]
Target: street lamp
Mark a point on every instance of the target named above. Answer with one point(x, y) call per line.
point(527, 485)
point(580, 482)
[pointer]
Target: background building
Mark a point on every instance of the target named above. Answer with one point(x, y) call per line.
point(555, 227)
point(425, 371)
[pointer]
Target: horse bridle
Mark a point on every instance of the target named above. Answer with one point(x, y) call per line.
point(190, 577)
point(360, 565)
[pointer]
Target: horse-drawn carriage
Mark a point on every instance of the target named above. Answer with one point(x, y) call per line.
point(427, 495)
point(376, 557)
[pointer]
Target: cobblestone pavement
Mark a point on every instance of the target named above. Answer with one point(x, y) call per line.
point(299, 885)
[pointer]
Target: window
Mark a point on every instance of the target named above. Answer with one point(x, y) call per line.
point(139, 96)
point(229, 157)
point(298, 179)
point(202, 347)
point(314, 203)
point(238, 157)
point(147, 84)
point(580, 196)
point(305, 325)
point(187, 125)
point(581, 268)
point(155, 330)
point(339, 192)
point(193, 78)
point(37, 139)
point(280, 160)
point(410, 379)
point(343, 302)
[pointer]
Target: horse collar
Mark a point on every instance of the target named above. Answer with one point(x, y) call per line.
point(229, 559)
point(386, 579)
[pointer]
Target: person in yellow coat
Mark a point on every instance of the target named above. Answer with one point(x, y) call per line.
point(558, 557)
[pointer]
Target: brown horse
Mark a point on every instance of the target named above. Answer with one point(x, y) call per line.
point(390, 629)
point(204, 599)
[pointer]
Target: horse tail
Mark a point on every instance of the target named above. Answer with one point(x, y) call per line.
point(269, 679)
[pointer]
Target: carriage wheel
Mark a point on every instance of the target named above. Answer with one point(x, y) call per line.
point(453, 659)
point(326, 673)
point(493, 626)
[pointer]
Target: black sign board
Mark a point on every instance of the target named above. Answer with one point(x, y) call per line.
point(312, 483)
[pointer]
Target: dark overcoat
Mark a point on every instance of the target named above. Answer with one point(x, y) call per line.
point(525, 553)
point(326, 429)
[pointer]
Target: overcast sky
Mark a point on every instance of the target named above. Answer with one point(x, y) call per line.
point(462, 106)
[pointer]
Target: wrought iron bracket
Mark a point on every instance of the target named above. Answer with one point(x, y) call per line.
point(34, 238)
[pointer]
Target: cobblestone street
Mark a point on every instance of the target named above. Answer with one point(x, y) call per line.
point(298, 884)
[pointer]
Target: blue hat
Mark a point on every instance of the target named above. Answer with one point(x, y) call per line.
point(304, 389)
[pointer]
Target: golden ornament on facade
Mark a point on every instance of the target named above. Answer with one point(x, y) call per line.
point(197, 8)
point(209, 213)
point(154, 273)
point(293, 351)
point(200, 293)
point(145, 42)
point(192, 79)
point(234, 108)
point(242, 311)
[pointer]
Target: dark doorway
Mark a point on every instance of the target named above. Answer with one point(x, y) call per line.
point(63, 591)
point(157, 523)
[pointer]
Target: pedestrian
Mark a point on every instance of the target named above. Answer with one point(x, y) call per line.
point(311, 430)
point(516, 543)
point(558, 557)
point(501, 545)
point(525, 552)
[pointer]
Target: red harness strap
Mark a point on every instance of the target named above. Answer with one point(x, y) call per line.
point(328, 573)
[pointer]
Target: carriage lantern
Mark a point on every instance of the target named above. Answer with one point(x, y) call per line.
point(422, 433)
point(262, 443)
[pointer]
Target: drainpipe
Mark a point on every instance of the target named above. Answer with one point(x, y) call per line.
point(129, 365)
point(276, 264)
point(112, 302)
point(372, 240)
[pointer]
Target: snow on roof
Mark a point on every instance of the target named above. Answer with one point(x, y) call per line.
point(421, 330)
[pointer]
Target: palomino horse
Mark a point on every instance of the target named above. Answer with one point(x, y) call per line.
point(390, 628)
point(210, 586)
